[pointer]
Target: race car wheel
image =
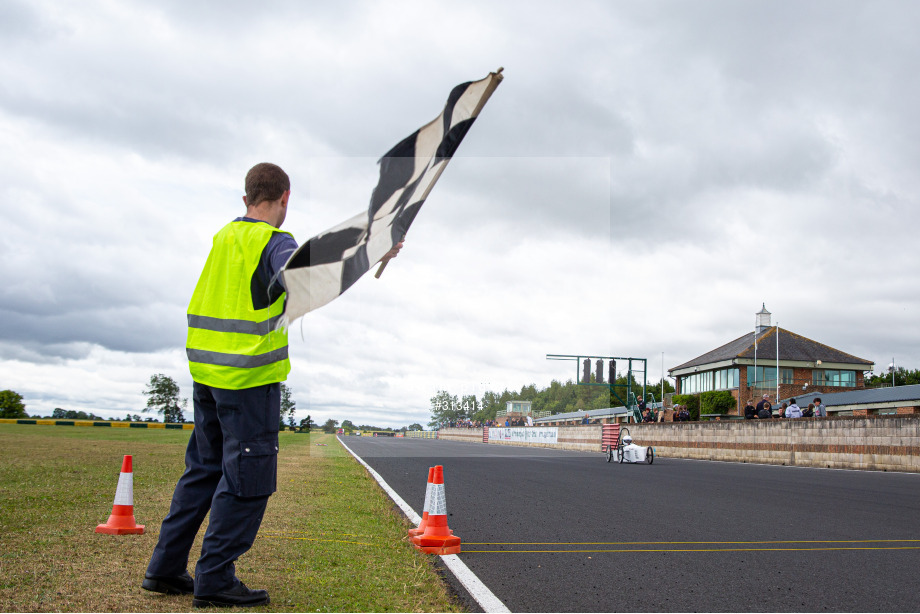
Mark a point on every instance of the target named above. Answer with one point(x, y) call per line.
point(609, 453)
point(649, 455)
point(620, 454)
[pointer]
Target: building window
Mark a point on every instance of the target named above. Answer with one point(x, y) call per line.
point(786, 376)
point(834, 377)
point(690, 384)
point(698, 382)
point(762, 377)
point(723, 379)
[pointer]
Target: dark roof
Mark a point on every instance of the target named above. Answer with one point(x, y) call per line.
point(864, 396)
point(791, 347)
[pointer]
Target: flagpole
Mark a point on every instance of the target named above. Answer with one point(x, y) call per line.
point(777, 362)
point(755, 360)
point(494, 79)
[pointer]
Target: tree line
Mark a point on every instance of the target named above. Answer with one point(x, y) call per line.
point(331, 426)
point(163, 398)
point(902, 377)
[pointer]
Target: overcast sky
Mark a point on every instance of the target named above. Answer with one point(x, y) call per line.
point(647, 175)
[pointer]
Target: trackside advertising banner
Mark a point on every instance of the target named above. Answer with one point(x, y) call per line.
point(548, 434)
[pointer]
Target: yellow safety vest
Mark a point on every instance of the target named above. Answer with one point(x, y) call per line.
point(230, 343)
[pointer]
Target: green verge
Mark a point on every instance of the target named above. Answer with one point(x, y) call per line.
point(331, 540)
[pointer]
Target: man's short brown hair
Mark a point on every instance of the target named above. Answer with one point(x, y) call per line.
point(265, 181)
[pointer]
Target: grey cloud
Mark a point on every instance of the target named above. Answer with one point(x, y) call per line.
point(155, 125)
point(526, 196)
point(30, 350)
point(244, 17)
point(72, 333)
point(65, 305)
point(20, 21)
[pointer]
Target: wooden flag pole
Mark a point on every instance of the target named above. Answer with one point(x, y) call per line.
point(497, 78)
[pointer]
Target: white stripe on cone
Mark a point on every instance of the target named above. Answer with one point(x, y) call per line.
point(438, 501)
point(427, 506)
point(124, 493)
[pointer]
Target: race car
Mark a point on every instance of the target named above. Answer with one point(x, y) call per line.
point(628, 452)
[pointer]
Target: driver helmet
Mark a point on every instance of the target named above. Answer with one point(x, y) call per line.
point(627, 440)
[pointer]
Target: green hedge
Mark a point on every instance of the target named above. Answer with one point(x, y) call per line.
point(719, 402)
point(716, 402)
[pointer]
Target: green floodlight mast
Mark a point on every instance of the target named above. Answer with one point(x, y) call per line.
point(586, 376)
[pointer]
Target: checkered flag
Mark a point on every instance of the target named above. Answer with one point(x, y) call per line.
point(328, 264)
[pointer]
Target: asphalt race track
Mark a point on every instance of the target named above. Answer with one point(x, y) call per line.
point(557, 531)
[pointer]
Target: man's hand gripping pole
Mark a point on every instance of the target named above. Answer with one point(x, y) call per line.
point(389, 256)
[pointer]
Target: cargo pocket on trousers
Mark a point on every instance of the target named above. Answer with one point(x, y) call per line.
point(258, 467)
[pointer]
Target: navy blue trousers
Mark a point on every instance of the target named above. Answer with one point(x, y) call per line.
point(230, 470)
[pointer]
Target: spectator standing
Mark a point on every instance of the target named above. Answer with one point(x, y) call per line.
point(809, 411)
point(765, 408)
point(782, 410)
point(793, 411)
point(820, 410)
point(750, 412)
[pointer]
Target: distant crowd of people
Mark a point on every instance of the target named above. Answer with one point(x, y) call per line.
point(789, 410)
point(649, 414)
point(469, 424)
point(680, 414)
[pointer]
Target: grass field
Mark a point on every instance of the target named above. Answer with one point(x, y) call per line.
point(331, 540)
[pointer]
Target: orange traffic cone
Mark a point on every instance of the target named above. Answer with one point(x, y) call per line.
point(122, 522)
point(437, 538)
point(424, 522)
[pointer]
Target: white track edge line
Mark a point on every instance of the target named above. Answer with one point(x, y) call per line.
point(479, 591)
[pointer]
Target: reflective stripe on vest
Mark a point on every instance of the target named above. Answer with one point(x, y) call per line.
point(230, 343)
point(224, 325)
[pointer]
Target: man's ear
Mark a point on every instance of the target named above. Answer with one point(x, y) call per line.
point(244, 201)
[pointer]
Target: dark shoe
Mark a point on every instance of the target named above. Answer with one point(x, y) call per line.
point(174, 585)
point(238, 596)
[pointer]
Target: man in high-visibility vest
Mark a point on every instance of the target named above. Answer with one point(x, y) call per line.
point(238, 360)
